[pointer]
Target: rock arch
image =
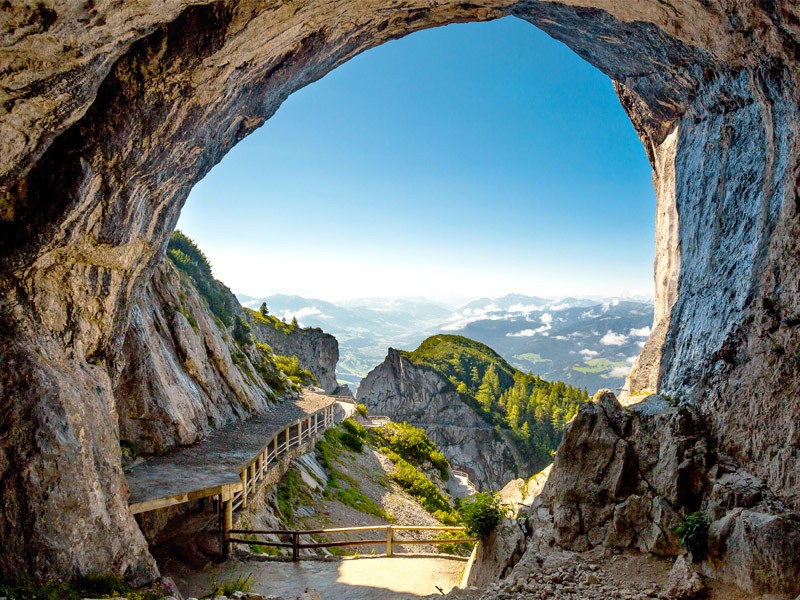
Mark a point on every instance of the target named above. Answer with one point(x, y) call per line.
point(111, 112)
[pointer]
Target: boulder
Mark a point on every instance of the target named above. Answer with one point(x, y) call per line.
point(684, 583)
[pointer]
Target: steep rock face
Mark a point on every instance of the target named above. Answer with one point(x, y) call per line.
point(110, 113)
point(182, 379)
point(626, 478)
point(406, 392)
point(316, 350)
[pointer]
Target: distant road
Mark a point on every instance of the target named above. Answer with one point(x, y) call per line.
point(365, 578)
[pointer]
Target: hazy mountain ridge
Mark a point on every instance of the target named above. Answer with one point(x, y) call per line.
point(588, 342)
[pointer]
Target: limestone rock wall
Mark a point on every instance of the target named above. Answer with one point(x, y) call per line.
point(626, 478)
point(181, 378)
point(110, 112)
point(316, 350)
point(405, 392)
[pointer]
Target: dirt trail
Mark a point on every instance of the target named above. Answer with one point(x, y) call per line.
point(366, 578)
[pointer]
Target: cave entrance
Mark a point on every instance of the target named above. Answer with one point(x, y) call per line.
point(112, 119)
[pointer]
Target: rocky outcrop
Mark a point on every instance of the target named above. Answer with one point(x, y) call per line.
point(316, 350)
point(184, 375)
point(111, 112)
point(407, 392)
point(626, 478)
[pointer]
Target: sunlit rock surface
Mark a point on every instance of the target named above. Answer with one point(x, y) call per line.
point(316, 350)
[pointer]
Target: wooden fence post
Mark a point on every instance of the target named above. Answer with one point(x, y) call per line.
point(227, 525)
point(295, 546)
point(389, 541)
point(244, 487)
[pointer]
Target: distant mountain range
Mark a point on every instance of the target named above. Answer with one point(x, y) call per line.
point(588, 343)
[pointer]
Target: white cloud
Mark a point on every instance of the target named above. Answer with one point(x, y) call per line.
point(642, 332)
point(546, 319)
point(613, 339)
point(524, 333)
point(461, 319)
point(619, 371)
point(589, 353)
point(523, 308)
point(589, 314)
point(631, 359)
point(561, 337)
point(640, 344)
point(560, 306)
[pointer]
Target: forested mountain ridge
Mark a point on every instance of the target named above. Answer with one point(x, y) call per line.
point(533, 409)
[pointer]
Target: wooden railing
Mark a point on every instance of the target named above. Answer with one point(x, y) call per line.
point(389, 539)
point(293, 436)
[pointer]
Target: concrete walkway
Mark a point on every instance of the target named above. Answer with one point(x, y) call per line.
point(205, 468)
point(365, 578)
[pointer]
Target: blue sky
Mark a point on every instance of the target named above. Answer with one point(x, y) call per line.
point(469, 160)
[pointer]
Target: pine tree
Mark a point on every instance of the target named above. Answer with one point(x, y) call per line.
point(263, 310)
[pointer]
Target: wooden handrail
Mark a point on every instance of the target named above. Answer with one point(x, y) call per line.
point(347, 529)
point(390, 541)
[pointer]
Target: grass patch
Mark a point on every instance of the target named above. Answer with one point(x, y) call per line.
point(342, 486)
point(417, 484)
point(288, 493)
point(413, 445)
point(227, 587)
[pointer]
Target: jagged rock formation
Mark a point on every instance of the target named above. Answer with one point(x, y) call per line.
point(317, 351)
point(406, 392)
point(626, 478)
point(183, 374)
point(111, 112)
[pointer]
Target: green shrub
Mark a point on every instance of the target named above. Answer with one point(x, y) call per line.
point(241, 331)
point(693, 532)
point(290, 365)
point(189, 259)
point(354, 435)
point(481, 513)
point(414, 446)
point(361, 409)
point(353, 442)
point(355, 428)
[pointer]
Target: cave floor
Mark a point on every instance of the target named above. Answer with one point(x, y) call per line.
point(364, 578)
point(203, 469)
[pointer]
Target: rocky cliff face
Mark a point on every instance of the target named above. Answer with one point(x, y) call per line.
point(317, 351)
point(405, 392)
point(626, 478)
point(184, 375)
point(110, 112)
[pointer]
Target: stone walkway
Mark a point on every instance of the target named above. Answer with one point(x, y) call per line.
point(365, 578)
point(203, 469)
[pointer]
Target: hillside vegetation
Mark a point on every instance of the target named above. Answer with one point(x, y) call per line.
point(531, 409)
point(282, 373)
